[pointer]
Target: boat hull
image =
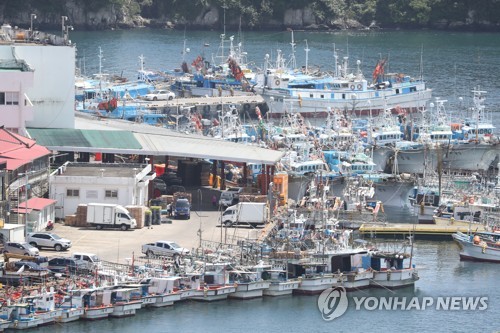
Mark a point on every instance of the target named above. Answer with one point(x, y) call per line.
point(24, 324)
point(355, 280)
point(314, 285)
point(97, 313)
point(250, 290)
point(281, 288)
point(125, 309)
point(394, 279)
point(213, 294)
point(166, 300)
point(473, 252)
point(70, 314)
point(49, 317)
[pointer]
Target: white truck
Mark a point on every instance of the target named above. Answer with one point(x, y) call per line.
point(163, 248)
point(109, 216)
point(252, 213)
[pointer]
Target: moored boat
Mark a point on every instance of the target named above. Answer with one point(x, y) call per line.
point(482, 246)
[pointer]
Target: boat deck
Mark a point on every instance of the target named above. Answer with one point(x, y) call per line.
point(200, 101)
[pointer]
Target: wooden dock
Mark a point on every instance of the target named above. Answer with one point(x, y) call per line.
point(419, 231)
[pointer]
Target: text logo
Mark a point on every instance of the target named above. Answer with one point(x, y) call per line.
point(332, 303)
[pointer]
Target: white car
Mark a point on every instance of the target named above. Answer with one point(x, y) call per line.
point(45, 239)
point(20, 248)
point(163, 248)
point(160, 95)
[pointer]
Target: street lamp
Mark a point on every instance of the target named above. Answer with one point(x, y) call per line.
point(32, 17)
point(63, 19)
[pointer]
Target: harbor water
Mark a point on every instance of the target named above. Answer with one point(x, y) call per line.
point(452, 64)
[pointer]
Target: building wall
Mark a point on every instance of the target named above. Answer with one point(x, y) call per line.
point(14, 116)
point(53, 91)
point(93, 189)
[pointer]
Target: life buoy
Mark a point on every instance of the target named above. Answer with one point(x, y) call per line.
point(352, 87)
point(359, 86)
point(277, 82)
point(246, 107)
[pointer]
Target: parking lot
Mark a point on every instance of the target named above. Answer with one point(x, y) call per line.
point(116, 245)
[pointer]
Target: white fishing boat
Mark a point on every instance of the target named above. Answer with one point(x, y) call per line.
point(45, 307)
point(214, 284)
point(20, 316)
point(481, 246)
point(125, 301)
point(4, 324)
point(95, 301)
point(160, 291)
point(72, 309)
point(249, 283)
point(391, 273)
point(355, 280)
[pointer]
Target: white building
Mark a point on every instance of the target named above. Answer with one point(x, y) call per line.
point(81, 183)
point(52, 90)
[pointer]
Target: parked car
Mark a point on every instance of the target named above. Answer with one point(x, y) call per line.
point(20, 248)
point(163, 248)
point(67, 265)
point(45, 239)
point(92, 260)
point(29, 265)
point(160, 95)
point(230, 197)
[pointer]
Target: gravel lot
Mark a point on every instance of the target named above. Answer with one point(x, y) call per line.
point(116, 245)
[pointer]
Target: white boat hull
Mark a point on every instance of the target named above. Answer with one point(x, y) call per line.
point(125, 309)
point(213, 294)
point(166, 300)
point(354, 281)
point(49, 317)
point(281, 288)
point(315, 285)
point(470, 251)
point(25, 324)
point(394, 279)
point(70, 314)
point(250, 290)
point(97, 313)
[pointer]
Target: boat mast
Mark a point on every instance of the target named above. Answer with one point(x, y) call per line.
point(307, 49)
point(293, 61)
point(336, 61)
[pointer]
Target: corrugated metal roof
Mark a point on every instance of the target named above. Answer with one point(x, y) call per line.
point(155, 141)
point(36, 203)
point(84, 138)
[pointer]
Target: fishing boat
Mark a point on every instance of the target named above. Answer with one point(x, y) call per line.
point(394, 274)
point(96, 302)
point(280, 284)
point(20, 316)
point(160, 291)
point(343, 90)
point(125, 301)
point(4, 324)
point(249, 283)
point(45, 307)
point(480, 246)
point(72, 308)
point(215, 284)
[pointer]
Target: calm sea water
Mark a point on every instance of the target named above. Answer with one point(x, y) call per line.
point(453, 63)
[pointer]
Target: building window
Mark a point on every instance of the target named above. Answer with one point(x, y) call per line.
point(9, 98)
point(72, 192)
point(111, 194)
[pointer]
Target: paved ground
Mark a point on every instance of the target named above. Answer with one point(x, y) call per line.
point(117, 245)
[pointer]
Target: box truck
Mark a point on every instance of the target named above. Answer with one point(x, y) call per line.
point(109, 216)
point(252, 213)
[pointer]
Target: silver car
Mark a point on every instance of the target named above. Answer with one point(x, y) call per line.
point(21, 248)
point(45, 239)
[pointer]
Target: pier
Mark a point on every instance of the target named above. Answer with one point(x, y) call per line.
point(420, 231)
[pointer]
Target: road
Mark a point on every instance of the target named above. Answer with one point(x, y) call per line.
point(116, 245)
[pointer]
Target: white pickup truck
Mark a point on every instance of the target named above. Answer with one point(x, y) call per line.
point(163, 248)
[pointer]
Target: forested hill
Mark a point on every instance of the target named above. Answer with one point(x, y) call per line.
point(468, 15)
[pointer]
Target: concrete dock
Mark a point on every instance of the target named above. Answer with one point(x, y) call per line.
point(419, 231)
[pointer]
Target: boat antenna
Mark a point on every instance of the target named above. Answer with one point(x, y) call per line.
point(336, 61)
point(422, 62)
point(307, 49)
point(293, 61)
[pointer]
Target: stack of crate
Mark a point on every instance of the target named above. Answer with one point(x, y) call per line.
point(205, 169)
point(70, 220)
point(138, 213)
point(253, 198)
point(81, 216)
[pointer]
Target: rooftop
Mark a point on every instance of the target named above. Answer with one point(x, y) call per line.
point(102, 170)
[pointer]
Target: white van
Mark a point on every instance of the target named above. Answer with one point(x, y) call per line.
point(92, 260)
